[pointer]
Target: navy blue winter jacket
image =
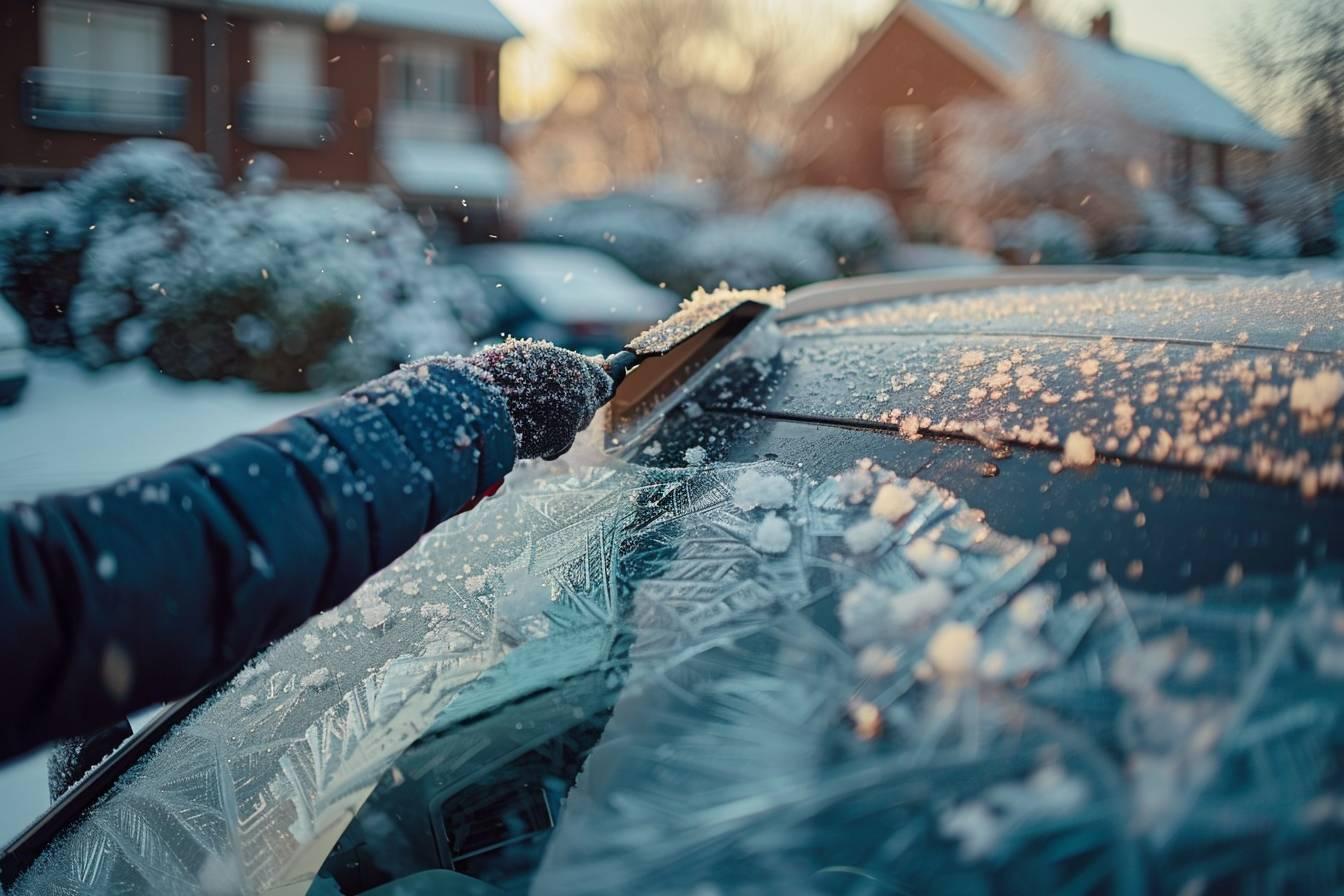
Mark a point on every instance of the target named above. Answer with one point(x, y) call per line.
point(140, 592)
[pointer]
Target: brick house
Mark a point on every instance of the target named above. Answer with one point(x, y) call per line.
point(403, 93)
point(874, 124)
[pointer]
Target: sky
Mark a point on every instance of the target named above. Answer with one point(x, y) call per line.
point(1194, 32)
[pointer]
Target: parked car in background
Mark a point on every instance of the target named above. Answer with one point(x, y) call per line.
point(1016, 582)
point(573, 297)
point(13, 354)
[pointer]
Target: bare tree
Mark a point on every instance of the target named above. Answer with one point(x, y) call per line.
point(703, 88)
point(1294, 57)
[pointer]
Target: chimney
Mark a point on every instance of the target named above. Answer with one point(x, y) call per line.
point(1101, 27)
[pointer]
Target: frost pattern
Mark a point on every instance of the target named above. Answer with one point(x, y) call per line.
point(921, 718)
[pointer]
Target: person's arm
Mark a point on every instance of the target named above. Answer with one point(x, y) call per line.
point(140, 592)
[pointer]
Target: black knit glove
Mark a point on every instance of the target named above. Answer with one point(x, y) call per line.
point(552, 392)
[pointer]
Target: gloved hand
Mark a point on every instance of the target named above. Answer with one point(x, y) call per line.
point(552, 392)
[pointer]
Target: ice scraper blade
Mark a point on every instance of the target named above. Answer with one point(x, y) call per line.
point(667, 354)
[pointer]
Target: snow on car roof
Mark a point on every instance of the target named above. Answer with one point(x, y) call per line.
point(437, 169)
point(1161, 94)
point(478, 19)
point(570, 284)
point(1234, 373)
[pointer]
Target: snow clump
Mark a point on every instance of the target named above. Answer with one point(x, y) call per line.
point(954, 650)
point(756, 489)
point(867, 536)
point(892, 502)
point(1316, 394)
point(773, 535)
point(695, 455)
point(1079, 451)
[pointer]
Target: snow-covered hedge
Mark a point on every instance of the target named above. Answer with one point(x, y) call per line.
point(1045, 237)
point(41, 238)
point(139, 177)
point(641, 233)
point(751, 252)
point(1276, 238)
point(1304, 203)
point(289, 292)
point(1228, 215)
point(1170, 228)
point(857, 228)
point(142, 254)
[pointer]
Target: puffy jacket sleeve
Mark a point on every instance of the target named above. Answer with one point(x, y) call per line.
point(140, 592)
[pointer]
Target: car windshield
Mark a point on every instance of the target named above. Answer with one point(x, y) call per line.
point(732, 655)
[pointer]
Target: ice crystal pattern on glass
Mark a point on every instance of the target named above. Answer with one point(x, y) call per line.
point(921, 716)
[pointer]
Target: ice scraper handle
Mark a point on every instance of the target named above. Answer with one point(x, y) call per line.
point(619, 364)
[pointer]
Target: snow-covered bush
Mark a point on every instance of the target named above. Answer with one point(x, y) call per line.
point(1045, 237)
point(1275, 238)
point(142, 177)
point(1226, 213)
point(1170, 228)
point(288, 292)
point(858, 228)
point(41, 238)
point(1000, 161)
point(642, 234)
point(1300, 200)
point(750, 252)
point(43, 235)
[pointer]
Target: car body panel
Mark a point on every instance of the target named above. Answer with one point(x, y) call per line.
point(735, 752)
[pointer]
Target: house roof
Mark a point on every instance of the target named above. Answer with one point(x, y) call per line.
point(1159, 94)
point(476, 19)
point(1163, 95)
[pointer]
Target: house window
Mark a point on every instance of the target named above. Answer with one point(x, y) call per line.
point(428, 79)
point(905, 141)
point(104, 37)
point(286, 103)
point(103, 69)
point(286, 55)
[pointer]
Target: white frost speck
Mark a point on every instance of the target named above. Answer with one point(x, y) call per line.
point(695, 455)
point(773, 535)
point(892, 502)
point(315, 678)
point(865, 537)
point(410, 586)
point(311, 642)
point(107, 566)
point(1079, 451)
point(756, 489)
point(248, 701)
point(1028, 609)
point(372, 609)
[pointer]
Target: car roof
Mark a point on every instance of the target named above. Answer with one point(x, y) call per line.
point(570, 284)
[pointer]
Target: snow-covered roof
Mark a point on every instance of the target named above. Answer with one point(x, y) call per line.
point(439, 169)
point(1160, 94)
point(476, 19)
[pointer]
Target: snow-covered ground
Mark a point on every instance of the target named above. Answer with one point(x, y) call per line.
point(75, 429)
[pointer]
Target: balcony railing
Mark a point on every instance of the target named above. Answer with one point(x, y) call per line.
point(430, 121)
point(283, 115)
point(108, 102)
